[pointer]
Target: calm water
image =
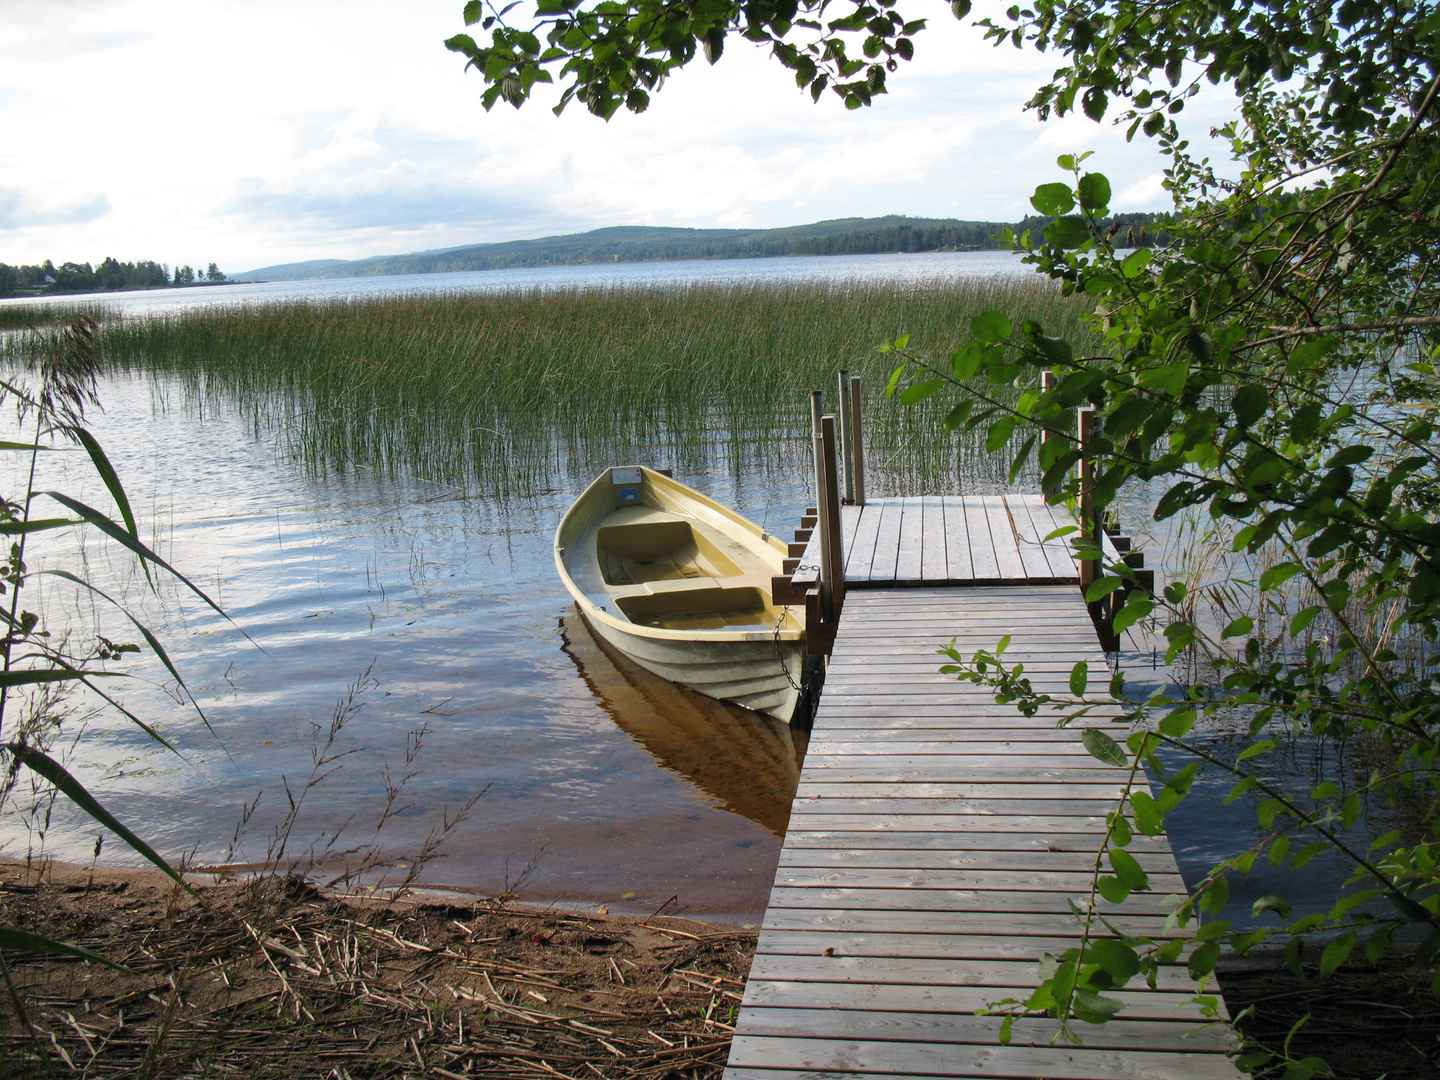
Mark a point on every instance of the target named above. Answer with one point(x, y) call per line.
point(918, 268)
point(603, 786)
point(452, 604)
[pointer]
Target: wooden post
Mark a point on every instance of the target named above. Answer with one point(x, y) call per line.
point(1048, 382)
point(1089, 527)
point(834, 548)
point(1101, 611)
point(842, 437)
point(857, 443)
point(822, 502)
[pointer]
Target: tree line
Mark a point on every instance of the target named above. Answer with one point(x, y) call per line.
point(110, 276)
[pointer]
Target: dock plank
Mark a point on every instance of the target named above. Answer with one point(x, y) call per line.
point(937, 839)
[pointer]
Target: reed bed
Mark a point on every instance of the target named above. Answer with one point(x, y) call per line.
point(515, 388)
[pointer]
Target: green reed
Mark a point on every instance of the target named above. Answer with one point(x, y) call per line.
point(518, 386)
point(37, 316)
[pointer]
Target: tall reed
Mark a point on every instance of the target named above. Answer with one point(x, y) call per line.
point(511, 386)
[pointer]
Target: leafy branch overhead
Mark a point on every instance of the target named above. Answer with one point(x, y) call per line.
point(1271, 374)
point(612, 54)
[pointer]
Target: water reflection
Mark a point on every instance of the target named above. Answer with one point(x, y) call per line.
point(748, 762)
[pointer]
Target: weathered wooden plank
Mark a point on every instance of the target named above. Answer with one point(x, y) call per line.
point(980, 822)
point(887, 542)
point(819, 1057)
point(954, 900)
point(912, 537)
point(934, 563)
point(941, 773)
point(861, 553)
point(958, 566)
point(984, 563)
point(941, 792)
point(1146, 1004)
point(962, 1029)
point(911, 859)
point(925, 971)
point(957, 923)
point(1070, 882)
point(937, 840)
point(1032, 553)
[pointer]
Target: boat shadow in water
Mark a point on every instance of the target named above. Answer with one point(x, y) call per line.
point(747, 761)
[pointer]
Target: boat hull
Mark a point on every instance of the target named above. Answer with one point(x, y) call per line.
point(681, 586)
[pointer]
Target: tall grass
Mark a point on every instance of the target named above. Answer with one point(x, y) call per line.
point(510, 387)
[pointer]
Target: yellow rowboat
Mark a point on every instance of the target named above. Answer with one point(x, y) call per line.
point(681, 585)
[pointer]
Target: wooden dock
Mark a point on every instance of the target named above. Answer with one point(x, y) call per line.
point(937, 838)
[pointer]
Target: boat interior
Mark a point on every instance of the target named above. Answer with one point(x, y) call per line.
point(668, 569)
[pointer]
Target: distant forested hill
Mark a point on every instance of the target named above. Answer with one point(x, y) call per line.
point(844, 236)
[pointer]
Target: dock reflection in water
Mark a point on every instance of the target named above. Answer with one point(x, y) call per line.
point(747, 762)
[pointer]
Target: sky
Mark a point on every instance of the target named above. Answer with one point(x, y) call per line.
point(257, 132)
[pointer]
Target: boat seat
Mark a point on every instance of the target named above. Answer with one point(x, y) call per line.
point(642, 545)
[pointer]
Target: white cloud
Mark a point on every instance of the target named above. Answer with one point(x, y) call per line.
point(1146, 194)
point(265, 131)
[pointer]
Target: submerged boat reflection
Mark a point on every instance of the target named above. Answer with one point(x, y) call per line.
point(747, 761)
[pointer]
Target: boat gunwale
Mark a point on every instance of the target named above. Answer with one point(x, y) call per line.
point(593, 610)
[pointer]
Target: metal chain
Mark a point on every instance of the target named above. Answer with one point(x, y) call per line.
point(779, 655)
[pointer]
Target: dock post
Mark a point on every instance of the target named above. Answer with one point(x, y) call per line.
point(857, 442)
point(1048, 382)
point(842, 437)
point(1091, 527)
point(822, 503)
point(833, 549)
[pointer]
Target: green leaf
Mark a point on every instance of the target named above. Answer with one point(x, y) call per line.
point(1079, 678)
point(991, 326)
point(1239, 627)
point(1250, 403)
point(1137, 606)
point(1094, 1009)
point(1127, 869)
point(918, 392)
point(1067, 232)
point(1303, 618)
point(1202, 960)
point(150, 639)
point(1112, 889)
point(1053, 199)
point(43, 765)
point(1115, 957)
point(1094, 190)
point(33, 676)
point(1135, 263)
point(115, 532)
point(1336, 953)
point(1105, 748)
point(107, 473)
point(894, 381)
point(1148, 817)
point(1102, 588)
point(24, 528)
point(21, 941)
point(1000, 433)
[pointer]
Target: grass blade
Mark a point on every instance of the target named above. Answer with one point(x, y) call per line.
point(44, 765)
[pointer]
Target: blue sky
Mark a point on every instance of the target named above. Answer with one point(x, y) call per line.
point(252, 132)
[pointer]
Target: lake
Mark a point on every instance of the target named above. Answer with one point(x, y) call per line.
point(602, 786)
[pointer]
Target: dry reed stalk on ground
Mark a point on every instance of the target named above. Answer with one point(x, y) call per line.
point(272, 979)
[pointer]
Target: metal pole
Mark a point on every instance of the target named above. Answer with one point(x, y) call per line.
point(857, 442)
point(843, 436)
point(822, 503)
point(834, 548)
